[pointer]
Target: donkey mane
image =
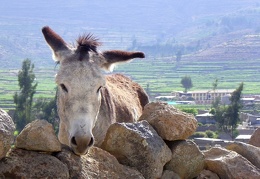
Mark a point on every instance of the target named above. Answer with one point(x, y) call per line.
point(86, 43)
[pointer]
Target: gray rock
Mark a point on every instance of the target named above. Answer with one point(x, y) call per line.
point(170, 123)
point(138, 145)
point(38, 135)
point(167, 174)
point(28, 164)
point(206, 174)
point(7, 128)
point(248, 151)
point(229, 164)
point(187, 160)
point(96, 164)
point(255, 138)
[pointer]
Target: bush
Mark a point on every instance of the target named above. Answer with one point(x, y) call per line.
point(200, 124)
point(210, 134)
point(190, 111)
point(16, 133)
point(199, 135)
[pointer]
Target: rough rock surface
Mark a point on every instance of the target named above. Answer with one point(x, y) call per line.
point(206, 174)
point(189, 152)
point(96, 164)
point(229, 164)
point(39, 136)
point(170, 123)
point(255, 138)
point(167, 174)
point(248, 151)
point(7, 128)
point(138, 145)
point(29, 164)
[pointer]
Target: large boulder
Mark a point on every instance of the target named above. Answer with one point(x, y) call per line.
point(29, 164)
point(39, 136)
point(170, 123)
point(229, 164)
point(7, 128)
point(187, 160)
point(248, 151)
point(139, 146)
point(96, 164)
point(255, 138)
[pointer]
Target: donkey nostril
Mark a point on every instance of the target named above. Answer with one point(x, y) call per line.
point(73, 141)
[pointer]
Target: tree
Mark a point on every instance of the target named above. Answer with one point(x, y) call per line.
point(233, 109)
point(24, 98)
point(186, 83)
point(47, 109)
point(178, 56)
point(219, 115)
point(227, 117)
point(215, 85)
point(148, 89)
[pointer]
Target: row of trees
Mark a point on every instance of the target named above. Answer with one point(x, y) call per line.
point(25, 109)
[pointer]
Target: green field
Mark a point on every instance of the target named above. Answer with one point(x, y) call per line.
point(163, 77)
point(158, 76)
point(9, 85)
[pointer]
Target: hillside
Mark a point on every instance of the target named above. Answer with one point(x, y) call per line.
point(217, 39)
point(119, 24)
point(242, 49)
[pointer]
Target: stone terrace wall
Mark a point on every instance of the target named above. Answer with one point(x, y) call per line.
point(156, 146)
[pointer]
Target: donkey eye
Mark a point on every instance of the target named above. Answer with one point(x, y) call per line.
point(63, 87)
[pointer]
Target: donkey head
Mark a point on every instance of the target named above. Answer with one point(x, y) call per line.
point(79, 81)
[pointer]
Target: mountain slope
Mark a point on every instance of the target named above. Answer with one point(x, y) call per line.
point(196, 25)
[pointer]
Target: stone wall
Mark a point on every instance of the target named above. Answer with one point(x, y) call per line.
point(156, 146)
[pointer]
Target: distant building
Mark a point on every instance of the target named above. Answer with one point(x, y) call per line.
point(205, 96)
point(207, 143)
point(254, 121)
point(243, 138)
point(226, 99)
point(172, 100)
point(248, 101)
point(165, 98)
point(206, 118)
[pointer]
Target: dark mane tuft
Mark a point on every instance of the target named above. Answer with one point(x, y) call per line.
point(87, 43)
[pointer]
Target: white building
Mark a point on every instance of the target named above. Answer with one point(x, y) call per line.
point(204, 96)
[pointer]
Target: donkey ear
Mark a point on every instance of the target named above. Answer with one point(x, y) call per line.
point(56, 43)
point(118, 56)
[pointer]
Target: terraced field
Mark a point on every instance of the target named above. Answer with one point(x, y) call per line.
point(163, 76)
point(9, 85)
point(159, 76)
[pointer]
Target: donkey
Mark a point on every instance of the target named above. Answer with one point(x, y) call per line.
point(88, 101)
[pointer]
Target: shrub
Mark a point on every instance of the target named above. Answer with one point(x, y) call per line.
point(199, 135)
point(200, 124)
point(16, 133)
point(190, 111)
point(210, 134)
